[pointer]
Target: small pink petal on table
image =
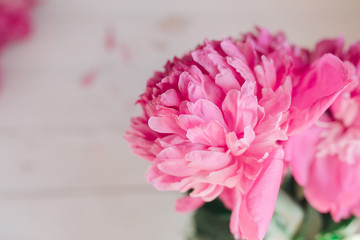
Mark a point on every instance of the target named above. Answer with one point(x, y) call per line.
point(125, 52)
point(110, 39)
point(89, 78)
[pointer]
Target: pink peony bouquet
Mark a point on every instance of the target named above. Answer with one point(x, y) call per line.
point(223, 123)
point(325, 159)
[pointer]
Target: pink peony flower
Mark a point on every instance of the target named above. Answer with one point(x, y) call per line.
point(213, 120)
point(326, 158)
point(14, 20)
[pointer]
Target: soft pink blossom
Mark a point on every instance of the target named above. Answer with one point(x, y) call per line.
point(213, 119)
point(15, 20)
point(326, 158)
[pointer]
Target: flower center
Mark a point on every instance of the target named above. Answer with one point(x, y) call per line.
point(340, 141)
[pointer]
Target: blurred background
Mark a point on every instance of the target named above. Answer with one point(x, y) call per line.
point(67, 97)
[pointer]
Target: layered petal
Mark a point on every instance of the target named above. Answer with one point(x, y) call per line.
point(300, 152)
point(240, 111)
point(188, 204)
point(325, 159)
point(252, 213)
point(310, 98)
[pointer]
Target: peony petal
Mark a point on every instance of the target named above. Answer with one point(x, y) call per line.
point(236, 215)
point(239, 146)
point(231, 49)
point(356, 210)
point(239, 111)
point(248, 89)
point(196, 92)
point(153, 173)
point(266, 74)
point(170, 98)
point(333, 46)
point(226, 80)
point(228, 197)
point(188, 204)
point(172, 152)
point(254, 212)
point(214, 194)
point(300, 151)
point(317, 190)
point(275, 102)
point(208, 192)
point(220, 176)
point(207, 160)
point(253, 167)
point(311, 98)
point(194, 85)
point(191, 87)
point(166, 183)
point(176, 168)
point(201, 56)
point(211, 134)
point(186, 121)
point(165, 125)
point(242, 68)
point(207, 111)
point(171, 140)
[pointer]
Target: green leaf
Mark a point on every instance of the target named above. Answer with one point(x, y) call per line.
point(330, 236)
point(211, 222)
point(331, 226)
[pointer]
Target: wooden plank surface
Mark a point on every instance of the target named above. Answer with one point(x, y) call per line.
point(66, 173)
point(107, 217)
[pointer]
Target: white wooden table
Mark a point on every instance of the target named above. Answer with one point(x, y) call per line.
point(66, 173)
